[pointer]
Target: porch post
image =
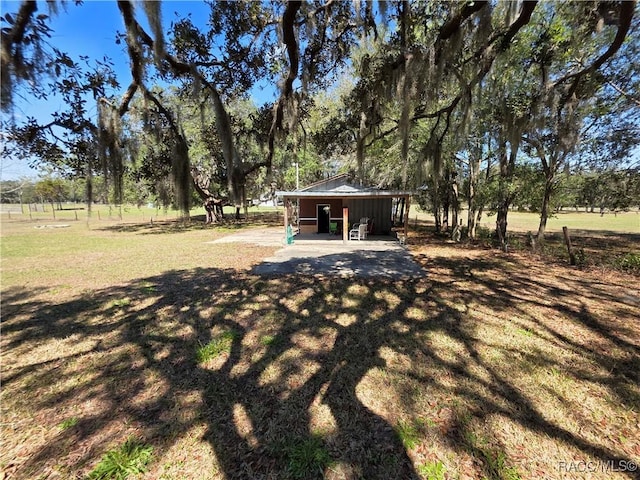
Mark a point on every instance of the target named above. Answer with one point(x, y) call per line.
point(286, 216)
point(345, 224)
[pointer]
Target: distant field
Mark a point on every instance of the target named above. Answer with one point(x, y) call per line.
point(126, 213)
point(625, 222)
point(521, 222)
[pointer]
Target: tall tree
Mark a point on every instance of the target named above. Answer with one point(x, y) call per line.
point(421, 71)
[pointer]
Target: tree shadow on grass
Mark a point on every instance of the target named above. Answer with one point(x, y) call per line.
point(197, 222)
point(315, 377)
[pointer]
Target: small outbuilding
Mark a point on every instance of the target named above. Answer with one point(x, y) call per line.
point(334, 205)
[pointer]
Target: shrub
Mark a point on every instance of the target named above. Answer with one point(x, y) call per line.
point(629, 262)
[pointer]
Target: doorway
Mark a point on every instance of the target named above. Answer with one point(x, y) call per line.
point(323, 214)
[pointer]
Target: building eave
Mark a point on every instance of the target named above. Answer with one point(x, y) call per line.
point(359, 194)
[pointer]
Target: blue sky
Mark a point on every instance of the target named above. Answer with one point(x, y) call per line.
point(89, 29)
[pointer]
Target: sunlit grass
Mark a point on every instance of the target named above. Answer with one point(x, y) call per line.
point(101, 214)
point(107, 255)
point(129, 459)
point(623, 222)
point(217, 346)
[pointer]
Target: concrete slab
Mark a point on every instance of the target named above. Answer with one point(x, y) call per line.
point(383, 262)
point(378, 256)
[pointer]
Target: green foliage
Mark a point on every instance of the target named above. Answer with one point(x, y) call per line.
point(391, 90)
point(52, 190)
point(269, 340)
point(432, 470)
point(68, 423)
point(496, 462)
point(629, 262)
point(528, 187)
point(131, 458)
point(217, 346)
point(614, 190)
point(409, 433)
point(307, 458)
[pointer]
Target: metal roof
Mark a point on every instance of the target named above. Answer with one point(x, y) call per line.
point(338, 193)
point(341, 187)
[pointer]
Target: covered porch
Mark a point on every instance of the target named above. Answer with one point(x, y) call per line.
point(331, 216)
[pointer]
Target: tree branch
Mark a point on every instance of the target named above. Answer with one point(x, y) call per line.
point(289, 39)
point(11, 63)
point(15, 35)
point(453, 25)
point(624, 24)
point(623, 93)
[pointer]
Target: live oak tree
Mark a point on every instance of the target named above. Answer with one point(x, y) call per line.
point(435, 82)
point(562, 102)
point(241, 47)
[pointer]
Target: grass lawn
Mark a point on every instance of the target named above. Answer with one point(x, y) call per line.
point(146, 346)
point(522, 222)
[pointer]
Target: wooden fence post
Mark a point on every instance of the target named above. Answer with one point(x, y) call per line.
point(567, 240)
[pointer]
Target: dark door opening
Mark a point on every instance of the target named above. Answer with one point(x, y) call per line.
point(323, 216)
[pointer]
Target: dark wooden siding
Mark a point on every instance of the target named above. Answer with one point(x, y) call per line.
point(378, 209)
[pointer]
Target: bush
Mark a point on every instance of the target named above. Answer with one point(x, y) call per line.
point(629, 262)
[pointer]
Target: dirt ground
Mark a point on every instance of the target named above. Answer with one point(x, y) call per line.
point(487, 365)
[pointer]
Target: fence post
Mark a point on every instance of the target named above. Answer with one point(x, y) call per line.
point(567, 240)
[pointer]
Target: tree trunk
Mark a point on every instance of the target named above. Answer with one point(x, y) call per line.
point(474, 167)
point(361, 135)
point(455, 203)
point(544, 211)
point(235, 175)
point(435, 201)
point(501, 223)
point(446, 200)
point(507, 168)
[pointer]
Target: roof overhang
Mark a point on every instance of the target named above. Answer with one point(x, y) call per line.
point(333, 194)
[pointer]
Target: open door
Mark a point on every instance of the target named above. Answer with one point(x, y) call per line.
point(323, 214)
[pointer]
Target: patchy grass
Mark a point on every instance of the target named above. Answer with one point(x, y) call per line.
point(432, 470)
point(69, 423)
point(131, 458)
point(628, 262)
point(491, 365)
point(219, 345)
point(307, 457)
point(409, 433)
point(523, 222)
